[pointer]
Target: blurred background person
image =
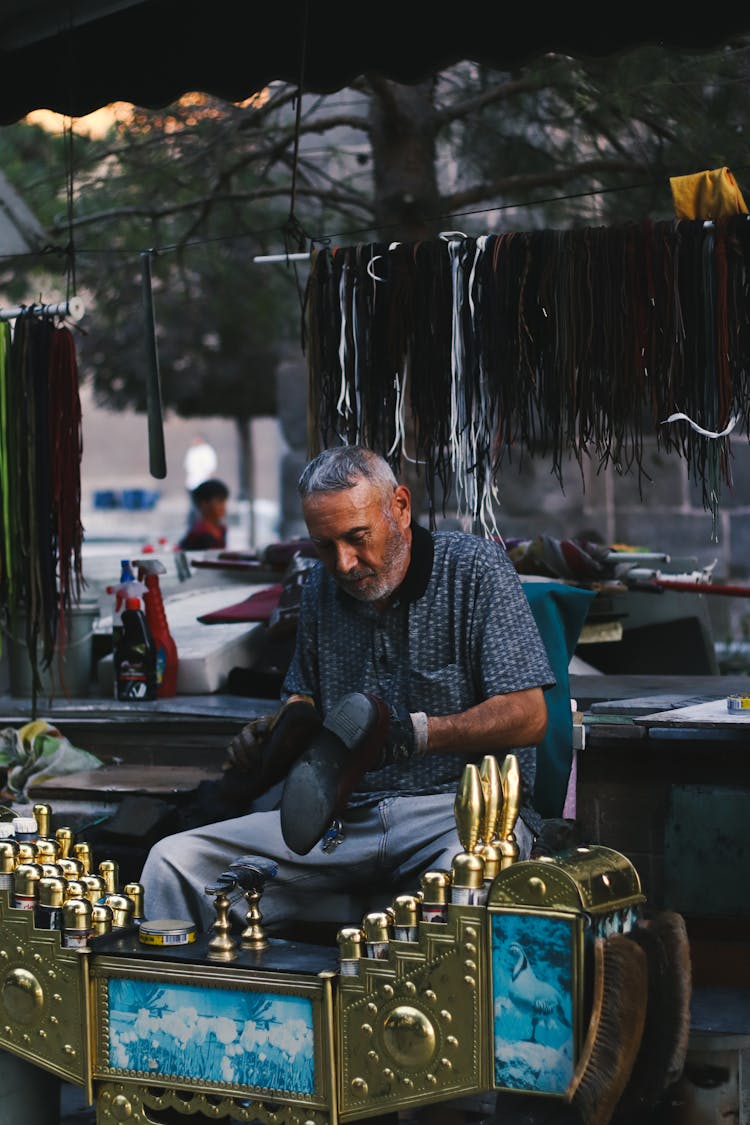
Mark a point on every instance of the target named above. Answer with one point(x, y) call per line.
point(209, 529)
point(200, 464)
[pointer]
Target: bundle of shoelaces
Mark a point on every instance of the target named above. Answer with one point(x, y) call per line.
point(41, 534)
point(461, 353)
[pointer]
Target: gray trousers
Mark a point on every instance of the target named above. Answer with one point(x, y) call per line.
point(384, 851)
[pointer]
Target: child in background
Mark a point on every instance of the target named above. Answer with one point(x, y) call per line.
point(209, 530)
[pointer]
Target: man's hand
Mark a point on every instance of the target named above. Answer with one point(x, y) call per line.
point(400, 743)
point(268, 746)
point(245, 751)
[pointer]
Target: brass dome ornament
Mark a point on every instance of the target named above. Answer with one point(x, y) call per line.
point(22, 996)
point(409, 1037)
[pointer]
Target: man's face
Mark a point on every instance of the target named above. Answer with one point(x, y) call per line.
point(363, 537)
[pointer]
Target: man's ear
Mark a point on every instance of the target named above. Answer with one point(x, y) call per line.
point(402, 505)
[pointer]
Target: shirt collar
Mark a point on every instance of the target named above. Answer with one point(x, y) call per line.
point(420, 565)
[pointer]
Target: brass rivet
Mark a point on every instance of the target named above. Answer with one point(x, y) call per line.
point(445, 1016)
point(367, 1029)
point(470, 981)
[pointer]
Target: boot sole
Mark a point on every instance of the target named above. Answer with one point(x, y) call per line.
point(312, 791)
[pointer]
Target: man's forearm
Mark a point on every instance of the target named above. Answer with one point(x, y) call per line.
point(502, 722)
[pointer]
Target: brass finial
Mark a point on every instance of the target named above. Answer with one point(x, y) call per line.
point(43, 816)
point(82, 851)
point(492, 791)
point(64, 837)
point(136, 892)
point(253, 936)
point(221, 946)
point(468, 807)
point(510, 775)
point(109, 871)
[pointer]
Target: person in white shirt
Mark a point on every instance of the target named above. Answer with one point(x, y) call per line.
point(200, 464)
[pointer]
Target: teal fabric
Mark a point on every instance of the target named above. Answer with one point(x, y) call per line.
point(559, 612)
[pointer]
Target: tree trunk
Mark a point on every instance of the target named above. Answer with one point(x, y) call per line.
point(403, 127)
point(246, 484)
point(407, 199)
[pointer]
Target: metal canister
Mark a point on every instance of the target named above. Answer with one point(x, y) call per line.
point(405, 918)
point(26, 852)
point(26, 886)
point(135, 891)
point(82, 851)
point(350, 940)
point(74, 888)
point(467, 880)
point(492, 859)
point(25, 829)
point(167, 932)
point(48, 908)
point(8, 859)
point(71, 868)
point(64, 837)
point(95, 888)
point(122, 910)
point(76, 923)
point(376, 928)
point(101, 919)
point(436, 888)
point(109, 871)
point(47, 850)
point(43, 816)
point(50, 870)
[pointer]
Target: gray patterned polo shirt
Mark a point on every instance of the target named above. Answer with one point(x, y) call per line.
point(458, 631)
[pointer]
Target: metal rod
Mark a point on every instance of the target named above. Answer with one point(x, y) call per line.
point(72, 308)
point(157, 461)
point(282, 258)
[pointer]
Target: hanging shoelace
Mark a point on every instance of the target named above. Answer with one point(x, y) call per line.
point(40, 454)
point(569, 344)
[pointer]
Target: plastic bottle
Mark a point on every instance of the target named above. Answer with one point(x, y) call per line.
point(166, 650)
point(135, 656)
point(122, 591)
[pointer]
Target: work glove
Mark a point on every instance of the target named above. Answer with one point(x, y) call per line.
point(267, 747)
point(400, 740)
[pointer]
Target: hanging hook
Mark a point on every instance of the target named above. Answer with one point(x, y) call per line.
point(370, 270)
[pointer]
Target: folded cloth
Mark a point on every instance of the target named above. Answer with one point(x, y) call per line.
point(281, 554)
point(38, 751)
point(258, 607)
point(707, 195)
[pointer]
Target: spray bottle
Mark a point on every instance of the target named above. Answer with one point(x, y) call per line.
point(166, 650)
point(126, 588)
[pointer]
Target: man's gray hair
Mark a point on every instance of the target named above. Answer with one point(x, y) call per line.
point(335, 470)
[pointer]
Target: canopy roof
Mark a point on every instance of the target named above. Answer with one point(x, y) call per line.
point(75, 56)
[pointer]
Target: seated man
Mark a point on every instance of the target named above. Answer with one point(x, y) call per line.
point(416, 652)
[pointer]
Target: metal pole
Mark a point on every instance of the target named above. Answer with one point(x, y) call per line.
point(73, 308)
point(156, 456)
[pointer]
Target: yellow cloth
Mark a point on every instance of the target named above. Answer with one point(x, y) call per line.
point(707, 195)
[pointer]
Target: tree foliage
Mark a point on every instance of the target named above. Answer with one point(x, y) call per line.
point(207, 186)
